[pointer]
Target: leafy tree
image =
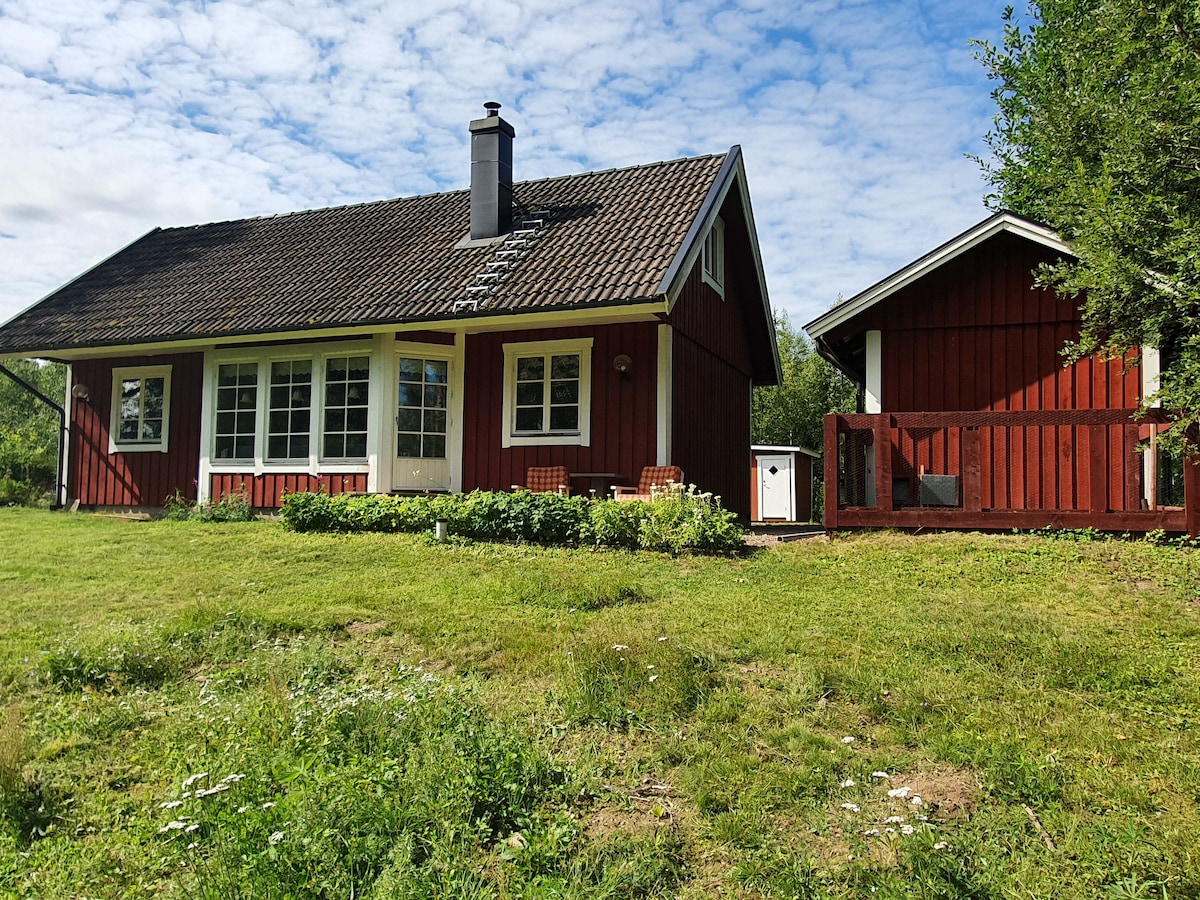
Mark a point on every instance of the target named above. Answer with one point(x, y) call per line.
point(29, 430)
point(1098, 136)
point(794, 413)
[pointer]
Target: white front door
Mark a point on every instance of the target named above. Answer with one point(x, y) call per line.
point(776, 480)
point(424, 450)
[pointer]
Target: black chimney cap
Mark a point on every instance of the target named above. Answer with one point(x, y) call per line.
point(492, 107)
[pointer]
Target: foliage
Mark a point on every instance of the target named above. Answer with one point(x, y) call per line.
point(29, 431)
point(1097, 136)
point(676, 519)
point(229, 508)
point(793, 414)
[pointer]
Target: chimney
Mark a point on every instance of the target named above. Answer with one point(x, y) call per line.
point(491, 174)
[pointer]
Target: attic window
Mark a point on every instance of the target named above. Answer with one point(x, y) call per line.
point(713, 256)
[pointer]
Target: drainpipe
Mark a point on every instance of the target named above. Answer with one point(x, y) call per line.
point(63, 433)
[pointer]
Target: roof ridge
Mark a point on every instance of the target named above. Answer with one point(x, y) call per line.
point(407, 197)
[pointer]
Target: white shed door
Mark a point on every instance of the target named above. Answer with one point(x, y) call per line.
point(776, 485)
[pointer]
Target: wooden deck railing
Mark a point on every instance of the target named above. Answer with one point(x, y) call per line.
point(1020, 469)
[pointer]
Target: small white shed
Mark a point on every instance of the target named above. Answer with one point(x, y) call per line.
point(781, 483)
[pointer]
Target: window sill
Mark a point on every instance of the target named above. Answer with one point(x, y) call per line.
point(539, 440)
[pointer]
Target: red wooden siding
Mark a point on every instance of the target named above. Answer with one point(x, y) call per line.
point(623, 426)
point(710, 403)
point(96, 478)
point(268, 490)
point(710, 424)
point(976, 335)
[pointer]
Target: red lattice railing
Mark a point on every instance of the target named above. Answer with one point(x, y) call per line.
point(1019, 469)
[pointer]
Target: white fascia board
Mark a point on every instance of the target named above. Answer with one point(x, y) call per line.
point(648, 311)
point(784, 448)
point(989, 228)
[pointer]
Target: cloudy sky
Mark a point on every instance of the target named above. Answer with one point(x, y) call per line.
point(854, 115)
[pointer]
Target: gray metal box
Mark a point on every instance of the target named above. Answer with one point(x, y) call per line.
point(939, 490)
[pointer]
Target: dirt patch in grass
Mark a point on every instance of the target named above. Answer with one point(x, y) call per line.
point(647, 807)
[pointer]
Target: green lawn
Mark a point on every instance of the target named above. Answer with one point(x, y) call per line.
point(384, 716)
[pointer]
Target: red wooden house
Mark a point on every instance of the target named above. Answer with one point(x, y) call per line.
point(969, 417)
point(604, 321)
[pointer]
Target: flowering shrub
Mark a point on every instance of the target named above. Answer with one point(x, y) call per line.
point(676, 519)
point(230, 508)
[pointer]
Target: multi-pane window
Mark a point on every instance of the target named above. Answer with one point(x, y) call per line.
point(547, 394)
point(346, 383)
point(141, 410)
point(421, 408)
point(237, 407)
point(289, 409)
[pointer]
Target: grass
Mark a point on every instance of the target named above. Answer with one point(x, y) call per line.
point(381, 715)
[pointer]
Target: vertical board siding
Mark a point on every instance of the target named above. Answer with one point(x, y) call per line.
point(623, 426)
point(97, 478)
point(267, 491)
point(710, 421)
point(976, 334)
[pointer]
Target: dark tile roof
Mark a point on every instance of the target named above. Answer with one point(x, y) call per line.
point(610, 239)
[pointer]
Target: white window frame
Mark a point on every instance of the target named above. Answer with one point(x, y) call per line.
point(314, 463)
point(128, 373)
point(509, 437)
point(712, 257)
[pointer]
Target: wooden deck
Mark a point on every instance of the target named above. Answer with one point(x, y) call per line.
point(1082, 468)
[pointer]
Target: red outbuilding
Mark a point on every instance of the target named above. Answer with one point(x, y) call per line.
point(969, 417)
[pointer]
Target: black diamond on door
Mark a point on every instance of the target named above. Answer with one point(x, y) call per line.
point(773, 470)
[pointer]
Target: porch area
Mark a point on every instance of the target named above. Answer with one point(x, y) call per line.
point(1087, 468)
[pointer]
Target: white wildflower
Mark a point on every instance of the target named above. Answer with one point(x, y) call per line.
point(916, 800)
point(620, 647)
point(880, 775)
point(232, 779)
point(851, 807)
point(192, 779)
point(193, 827)
point(661, 639)
point(275, 838)
point(175, 825)
point(243, 809)
point(872, 832)
point(849, 782)
point(940, 845)
point(649, 667)
point(893, 820)
point(217, 788)
point(847, 740)
point(906, 829)
point(268, 805)
point(193, 845)
point(170, 804)
point(900, 792)
point(653, 678)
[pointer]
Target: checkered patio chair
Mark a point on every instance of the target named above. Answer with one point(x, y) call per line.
point(546, 479)
point(651, 475)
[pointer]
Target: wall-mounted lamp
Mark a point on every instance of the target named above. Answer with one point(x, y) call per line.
point(623, 364)
point(81, 393)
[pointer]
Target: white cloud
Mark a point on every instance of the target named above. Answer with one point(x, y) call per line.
point(122, 115)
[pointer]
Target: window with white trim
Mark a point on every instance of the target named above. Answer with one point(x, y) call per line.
point(289, 410)
point(547, 392)
point(140, 409)
point(285, 411)
point(346, 382)
point(237, 411)
point(713, 256)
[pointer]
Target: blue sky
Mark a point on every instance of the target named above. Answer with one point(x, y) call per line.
point(854, 116)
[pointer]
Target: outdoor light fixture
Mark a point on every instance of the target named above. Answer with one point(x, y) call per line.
point(81, 393)
point(622, 364)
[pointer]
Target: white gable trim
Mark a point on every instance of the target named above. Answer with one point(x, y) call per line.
point(1004, 221)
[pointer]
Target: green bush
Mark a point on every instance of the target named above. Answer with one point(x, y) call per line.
point(230, 508)
point(674, 520)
